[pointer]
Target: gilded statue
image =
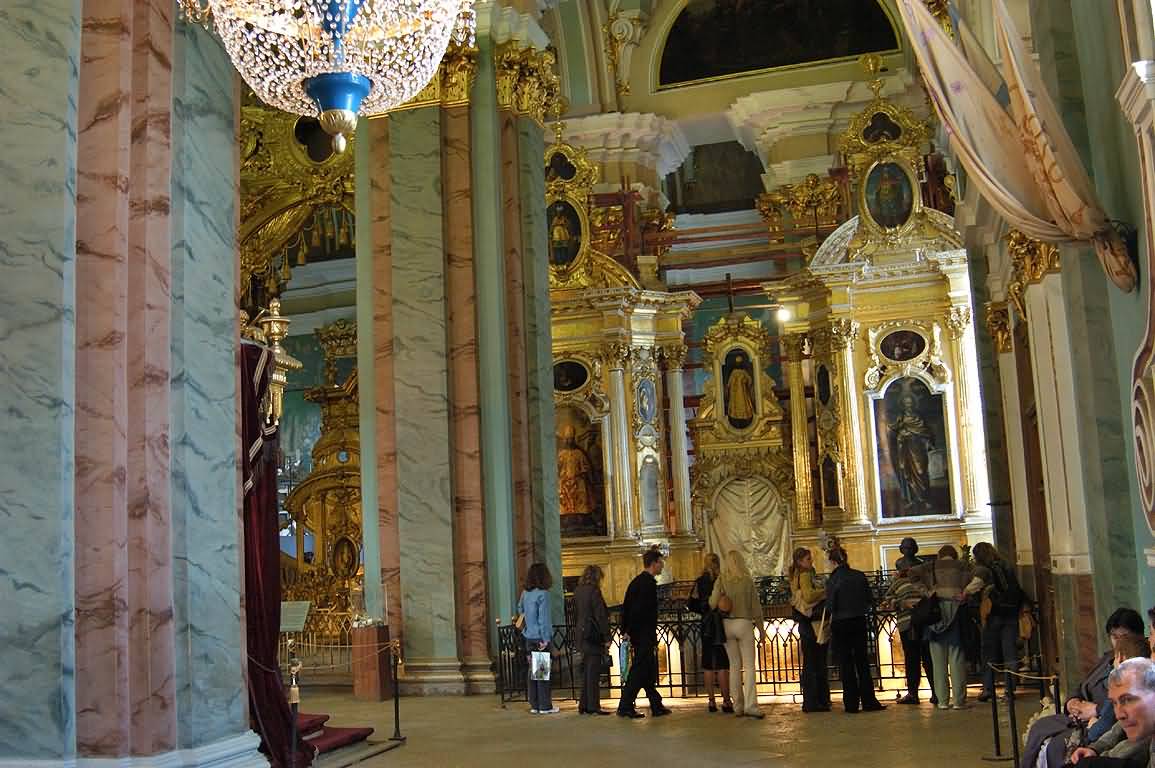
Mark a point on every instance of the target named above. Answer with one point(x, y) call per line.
point(740, 394)
point(912, 440)
point(574, 476)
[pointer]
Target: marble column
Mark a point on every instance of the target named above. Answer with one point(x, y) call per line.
point(525, 530)
point(464, 399)
point(494, 375)
point(625, 521)
point(679, 455)
point(1012, 429)
point(211, 700)
point(805, 515)
point(40, 59)
point(424, 435)
point(539, 351)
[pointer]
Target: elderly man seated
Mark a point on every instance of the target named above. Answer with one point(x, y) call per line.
point(1131, 687)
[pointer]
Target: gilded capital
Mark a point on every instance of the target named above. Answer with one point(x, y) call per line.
point(792, 346)
point(998, 318)
point(957, 321)
point(674, 355)
point(527, 83)
point(843, 332)
point(1031, 261)
point(616, 353)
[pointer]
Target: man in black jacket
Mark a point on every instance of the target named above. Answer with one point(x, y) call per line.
point(640, 622)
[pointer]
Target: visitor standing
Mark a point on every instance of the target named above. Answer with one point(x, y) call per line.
point(807, 600)
point(946, 579)
point(904, 594)
point(849, 602)
point(715, 660)
point(1000, 639)
point(640, 622)
point(534, 606)
point(736, 597)
point(592, 623)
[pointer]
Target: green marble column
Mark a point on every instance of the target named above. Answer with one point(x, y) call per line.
point(539, 353)
point(493, 357)
point(424, 446)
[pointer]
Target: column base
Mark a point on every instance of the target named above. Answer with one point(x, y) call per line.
point(432, 677)
point(238, 751)
point(479, 677)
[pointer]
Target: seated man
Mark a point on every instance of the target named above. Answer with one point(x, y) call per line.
point(1131, 687)
point(1049, 735)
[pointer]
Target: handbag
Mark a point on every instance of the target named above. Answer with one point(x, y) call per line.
point(928, 611)
point(713, 630)
point(519, 622)
point(822, 628)
point(539, 665)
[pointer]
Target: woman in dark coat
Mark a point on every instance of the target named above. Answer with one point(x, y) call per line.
point(715, 662)
point(592, 624)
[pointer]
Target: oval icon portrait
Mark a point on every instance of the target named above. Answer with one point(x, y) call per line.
point(901, 346)
point(647, 406)
point(565, 234)
point(889, 195)
point(569, 376)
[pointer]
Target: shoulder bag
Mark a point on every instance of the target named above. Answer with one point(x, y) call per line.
point(928, 611)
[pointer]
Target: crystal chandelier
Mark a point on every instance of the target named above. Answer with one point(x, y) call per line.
point(336, 59)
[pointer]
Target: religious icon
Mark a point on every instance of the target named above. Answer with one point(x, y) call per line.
point(829, 473)
point(345, 558)
point(823, 383)
point(564, 234)
point(646, 401)
point(901, 346)
point(881, 128)
point(911, 429)
point(569, 376)
point(738, 374)
point(559, 168)
point(889, 195)
point(579, 475)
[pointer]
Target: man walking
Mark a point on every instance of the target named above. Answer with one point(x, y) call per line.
point(640, 622)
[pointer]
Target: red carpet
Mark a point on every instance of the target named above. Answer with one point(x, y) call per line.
point(326, 738)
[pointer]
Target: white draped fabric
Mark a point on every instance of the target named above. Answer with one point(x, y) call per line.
point(1020, 156)
point(750, 516)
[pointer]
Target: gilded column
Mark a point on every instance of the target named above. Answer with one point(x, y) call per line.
point(458, 70)
point(615, 356)
point(805, 515)
point(958, 325)
point(675, 357)
point(843, 335)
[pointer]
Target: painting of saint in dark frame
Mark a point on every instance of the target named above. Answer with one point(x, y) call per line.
point(580, 475)
point(901, 346)
point(889, 195)
point(738, 388)
point(913, 452)
point(565, 233)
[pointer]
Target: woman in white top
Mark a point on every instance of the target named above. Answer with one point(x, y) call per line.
point(735, 596)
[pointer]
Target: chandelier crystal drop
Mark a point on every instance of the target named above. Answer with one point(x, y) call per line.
point(336, 59)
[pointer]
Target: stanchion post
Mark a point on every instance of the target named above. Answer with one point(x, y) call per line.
point(294, 702)
point(394, 648)
point(1058, 703)
point(998, 755)
point(500, 667)
point(1010, 685)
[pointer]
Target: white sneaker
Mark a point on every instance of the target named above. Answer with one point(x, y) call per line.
point(553, 711)
point(534, 712)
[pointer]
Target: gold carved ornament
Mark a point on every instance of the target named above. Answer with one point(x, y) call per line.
point(674, 356)
point(527, 83)
point(451, 85)
point(713, 470)
point(338, 340)
point(1031, 261)
point(814, 202)
point(998, 318)
point(620, 32)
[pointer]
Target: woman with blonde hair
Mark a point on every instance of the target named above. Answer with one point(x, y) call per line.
point(592, 624)
point(807, 600)
point(715, 661)
point(735, 596)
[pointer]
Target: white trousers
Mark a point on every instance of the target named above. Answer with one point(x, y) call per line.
point(743, 665)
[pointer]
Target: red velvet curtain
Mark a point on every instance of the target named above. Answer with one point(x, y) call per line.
point(268, 705)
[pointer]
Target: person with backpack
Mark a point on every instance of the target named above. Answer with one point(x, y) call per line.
point(1000, 637)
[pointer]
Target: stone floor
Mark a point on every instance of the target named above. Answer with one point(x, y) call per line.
point(476, 731)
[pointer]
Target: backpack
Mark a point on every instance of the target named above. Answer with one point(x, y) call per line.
point(1006, 594)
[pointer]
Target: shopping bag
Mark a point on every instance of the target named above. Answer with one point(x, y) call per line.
point(539, 665)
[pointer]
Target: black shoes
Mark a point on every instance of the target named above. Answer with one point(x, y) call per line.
point(632, 714)
point(816, 708)
point(660, 711)
point(985, 696)
point(908, 699)
point(713, 707)
point(728, 709)
point(873, 707)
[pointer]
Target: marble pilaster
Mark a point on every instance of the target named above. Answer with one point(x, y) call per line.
point(492, 312)
point(539, 351)
point(805, 513)
point(625, 522)
point(679, 457)
point(209, 669)
point(424, 437)
point(464, 400)
point(40, 57)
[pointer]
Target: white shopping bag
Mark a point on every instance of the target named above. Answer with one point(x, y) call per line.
point(539, 664)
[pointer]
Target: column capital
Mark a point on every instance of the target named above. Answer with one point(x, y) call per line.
point(526, 81)
point(615, 354)
point(998, 319)
point(957, 321)
point(674, 355)
point(1031, 261)
point(843, 332)
point(793, 345)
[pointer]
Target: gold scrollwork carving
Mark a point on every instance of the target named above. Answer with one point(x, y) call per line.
point(957, 321)
point(998, 319)
point(1031, 261)
point(527, 83)
point(793, 346)
point(615, 354)
point(842, 333)
point(812, 202)
point(713, 470)
point(674, 355)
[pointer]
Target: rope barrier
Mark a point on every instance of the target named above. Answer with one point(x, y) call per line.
point(1024, 675)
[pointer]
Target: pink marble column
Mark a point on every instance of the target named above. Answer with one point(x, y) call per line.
point(464, 400)
point(125, 686)
point(389, 538)
point(515, 314)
